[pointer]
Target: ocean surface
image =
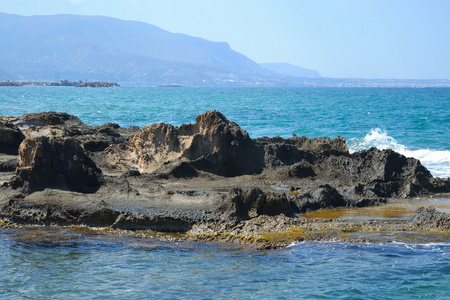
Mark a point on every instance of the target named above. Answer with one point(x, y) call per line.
point(51, 263)
point(414, 122)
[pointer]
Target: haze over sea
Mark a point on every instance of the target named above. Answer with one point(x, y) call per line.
point(59, 263)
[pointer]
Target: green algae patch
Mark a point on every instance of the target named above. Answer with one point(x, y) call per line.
point(289, 236)
point(223, 237)
point(5, 224)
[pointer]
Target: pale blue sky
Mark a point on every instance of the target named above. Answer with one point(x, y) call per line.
point(338, 38)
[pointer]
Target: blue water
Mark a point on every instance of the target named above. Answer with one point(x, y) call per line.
point(414, 122)
point(59, 264)
point(62, 265)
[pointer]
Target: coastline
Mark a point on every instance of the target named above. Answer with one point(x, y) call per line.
point(60, 83)
point(264, 233)
point(209, 181)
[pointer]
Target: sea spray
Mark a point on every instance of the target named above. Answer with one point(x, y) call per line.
point(436, 160)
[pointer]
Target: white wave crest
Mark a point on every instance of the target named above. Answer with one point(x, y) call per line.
point(436, 161)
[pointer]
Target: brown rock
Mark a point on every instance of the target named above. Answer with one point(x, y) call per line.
point(246, 204)
point(430, 218)
point(10, 138)
point(324, 196)
point(55, 163)
point(212, 144)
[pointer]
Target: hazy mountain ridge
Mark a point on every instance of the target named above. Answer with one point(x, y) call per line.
point(112, 49)
point(289, 69)
point(57, 47)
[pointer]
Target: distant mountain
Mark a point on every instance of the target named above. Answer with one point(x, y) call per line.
point(58, 47)
point(288, 69)
point(73, 47)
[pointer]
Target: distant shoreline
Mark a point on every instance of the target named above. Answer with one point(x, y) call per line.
point(308, 83)
point(60, 83)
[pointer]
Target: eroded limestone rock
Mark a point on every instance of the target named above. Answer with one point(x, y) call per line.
point(212, 144)
point(55, 162)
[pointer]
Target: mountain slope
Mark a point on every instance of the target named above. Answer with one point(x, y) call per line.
point(38, 47)
point(292, 70)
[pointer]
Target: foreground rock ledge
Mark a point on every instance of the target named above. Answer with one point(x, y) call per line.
point(203, 178)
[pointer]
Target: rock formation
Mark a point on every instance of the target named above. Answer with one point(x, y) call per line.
point(247, 204)
point(10, 137)
point(213, 144)
point(430, 218)
point(52, 124)
point(171, 178)
point(55, 163)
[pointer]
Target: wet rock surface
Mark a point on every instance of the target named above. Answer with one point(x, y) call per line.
point(209, 174)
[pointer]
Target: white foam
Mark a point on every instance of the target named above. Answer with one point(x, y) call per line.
point(436, 161)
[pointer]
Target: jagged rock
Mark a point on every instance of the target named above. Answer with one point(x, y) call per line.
point(320, 144)
point(215, 145)
point(98, 138)
point(212, 144)
point(388, 173)
point(323, 197)
point(55, 162)
point(278, 152)
point(52, 124)
point(430, 218)
point(10, 138)
point(49, 118)
point(301, 169)
point(246, 204)
point(57, 180)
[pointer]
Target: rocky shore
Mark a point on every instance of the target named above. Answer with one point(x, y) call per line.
point(207, 181)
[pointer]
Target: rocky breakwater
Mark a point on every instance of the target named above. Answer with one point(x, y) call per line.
point(204, 179)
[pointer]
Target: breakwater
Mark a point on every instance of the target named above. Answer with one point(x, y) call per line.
point(60, 83)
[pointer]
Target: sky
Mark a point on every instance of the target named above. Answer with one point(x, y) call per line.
point(385, 39)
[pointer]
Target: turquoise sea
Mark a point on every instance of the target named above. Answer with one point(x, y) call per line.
point(415, 122)
point(50, 263)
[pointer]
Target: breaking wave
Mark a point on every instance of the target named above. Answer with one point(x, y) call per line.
point(437, 161)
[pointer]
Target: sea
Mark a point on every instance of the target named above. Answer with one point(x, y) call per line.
point(59, 263)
